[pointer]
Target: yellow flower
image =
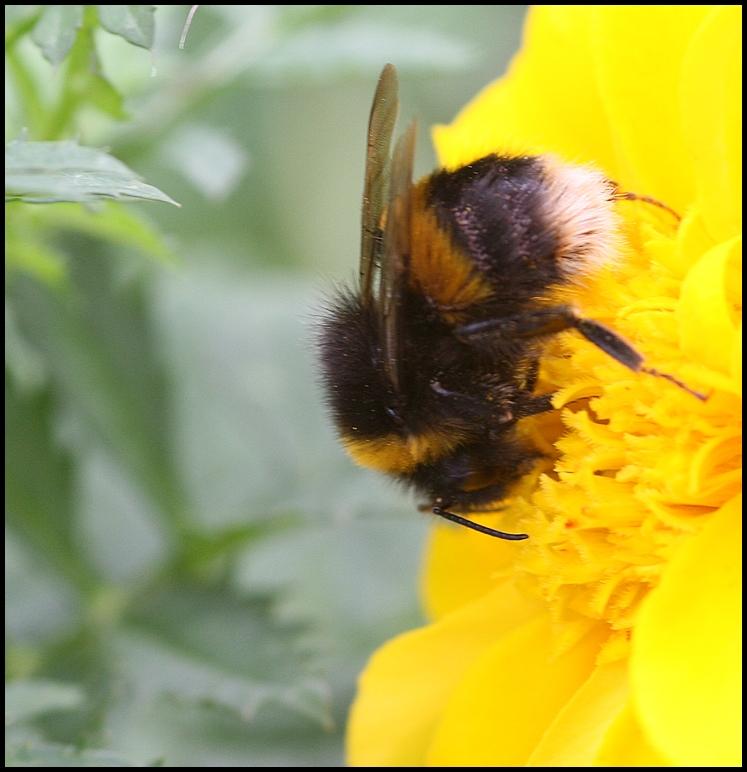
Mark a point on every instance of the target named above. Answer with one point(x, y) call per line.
point(611, 636)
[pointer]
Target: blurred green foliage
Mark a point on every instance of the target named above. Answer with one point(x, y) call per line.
point(195, 574)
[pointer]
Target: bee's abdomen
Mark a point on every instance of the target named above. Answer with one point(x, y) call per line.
point(494, 211)
point(440, 269)
point(528, 224)
point(398, 454)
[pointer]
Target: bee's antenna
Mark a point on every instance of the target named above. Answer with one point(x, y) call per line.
point(442, 512)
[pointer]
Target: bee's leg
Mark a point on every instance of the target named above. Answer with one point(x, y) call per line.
point(441, 508)
point(546, 321)
point(502, 414)
point(621, 195)
point(522, 406)
point(623, 352)
point(533, 404)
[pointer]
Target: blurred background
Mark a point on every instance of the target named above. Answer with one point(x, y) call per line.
point(195, 572)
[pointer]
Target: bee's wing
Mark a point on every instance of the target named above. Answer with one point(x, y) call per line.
point(396, 254)
point(380, 126)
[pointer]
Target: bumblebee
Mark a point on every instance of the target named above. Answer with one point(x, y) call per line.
point(431, 361)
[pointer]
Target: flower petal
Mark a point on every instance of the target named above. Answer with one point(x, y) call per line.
point(649, 139)
point(708, 323)
point(626, 745)
point(574, 737)
point(736, 356)
point(548, 102)
point(506, 700)
point(461, 565)
point(407, 682)
point(686, 659)
point(711, 109)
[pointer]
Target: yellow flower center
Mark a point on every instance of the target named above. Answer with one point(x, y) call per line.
point(639, 463)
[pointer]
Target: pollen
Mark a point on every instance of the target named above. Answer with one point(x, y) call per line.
point(639, 464)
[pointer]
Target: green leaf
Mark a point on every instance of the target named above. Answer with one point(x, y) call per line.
point(26, 250)
point(56, 30)
point(108, 384)
point(135, 23)
point(102, 95)
point(19, 21)
point(36, 754)
point(30, 698)
point(207, 735)
point(23, 362)
point(301, 569)
point(45, 172)
point(195, 643)
point(39, 507)
point(83, 84)
point(39, 605)
point(25, 109)
point(114, 511)
point(109, 221)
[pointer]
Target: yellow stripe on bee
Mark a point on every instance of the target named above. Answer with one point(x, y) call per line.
point(399, 455)
point(438, 267)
